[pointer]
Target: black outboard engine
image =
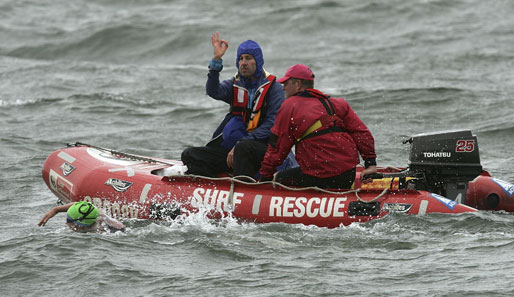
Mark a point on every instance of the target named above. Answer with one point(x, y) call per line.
point(444, 162)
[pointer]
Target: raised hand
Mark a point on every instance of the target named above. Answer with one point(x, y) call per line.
point(220, 46)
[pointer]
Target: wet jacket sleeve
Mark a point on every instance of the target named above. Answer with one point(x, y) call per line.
point(219, 91)
point(360, 135)
point(281, 141)
point(275, 99)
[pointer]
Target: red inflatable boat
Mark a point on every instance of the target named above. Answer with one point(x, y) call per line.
point(129, 186)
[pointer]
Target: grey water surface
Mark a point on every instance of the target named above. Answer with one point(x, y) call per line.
point(129, 75)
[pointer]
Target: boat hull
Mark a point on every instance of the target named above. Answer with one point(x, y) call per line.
point(131, 188)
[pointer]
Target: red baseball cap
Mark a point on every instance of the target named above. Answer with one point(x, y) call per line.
point(298, 71)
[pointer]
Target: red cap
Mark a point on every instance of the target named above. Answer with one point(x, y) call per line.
point(298, 71)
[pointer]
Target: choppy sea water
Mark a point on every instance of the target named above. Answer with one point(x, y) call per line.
point(130, 75)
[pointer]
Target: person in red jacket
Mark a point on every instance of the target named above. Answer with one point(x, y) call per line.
point(327, 134)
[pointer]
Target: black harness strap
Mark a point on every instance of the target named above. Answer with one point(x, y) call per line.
point(330, 129)
point(325, 101)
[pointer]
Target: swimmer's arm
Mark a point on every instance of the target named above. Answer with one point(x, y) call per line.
point(53, 212)
point(112, 222)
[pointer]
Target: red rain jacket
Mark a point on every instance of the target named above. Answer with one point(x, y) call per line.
point(323, 155)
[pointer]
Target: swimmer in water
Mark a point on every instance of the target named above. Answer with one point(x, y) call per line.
point(83, 216)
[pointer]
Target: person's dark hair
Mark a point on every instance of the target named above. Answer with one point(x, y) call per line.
point(306, 84)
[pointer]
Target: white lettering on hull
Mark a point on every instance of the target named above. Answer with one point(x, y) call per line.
point(287, 207)
point(114, 209)
point(300, 207)
point(215, 199)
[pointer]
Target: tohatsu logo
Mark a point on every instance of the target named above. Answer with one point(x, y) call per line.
point(437, 154)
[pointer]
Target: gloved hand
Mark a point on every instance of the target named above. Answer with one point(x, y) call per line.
point(368, 174)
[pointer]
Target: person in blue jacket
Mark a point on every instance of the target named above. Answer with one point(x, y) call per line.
point(241, 140)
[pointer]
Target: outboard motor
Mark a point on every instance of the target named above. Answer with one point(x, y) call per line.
point(444, 163)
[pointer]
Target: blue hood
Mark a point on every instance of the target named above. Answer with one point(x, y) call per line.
point(252, 48)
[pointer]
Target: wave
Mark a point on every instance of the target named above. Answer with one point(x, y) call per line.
point(28, 102)
point(106, 43)
point(134, 43)
point(92, 100)
point(424, 96)
point(125, 101)
point(497, 127)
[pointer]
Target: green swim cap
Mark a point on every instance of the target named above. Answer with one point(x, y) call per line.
point(82, 213)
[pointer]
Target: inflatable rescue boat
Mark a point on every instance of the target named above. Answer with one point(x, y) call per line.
point(132, 186)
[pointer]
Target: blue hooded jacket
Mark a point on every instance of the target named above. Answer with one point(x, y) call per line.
point(224, 91)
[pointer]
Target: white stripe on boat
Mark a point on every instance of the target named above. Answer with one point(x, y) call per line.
point(130, 171)
point(423, 207)
point(66, 157)
point(256, 204)
point(144, 193)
